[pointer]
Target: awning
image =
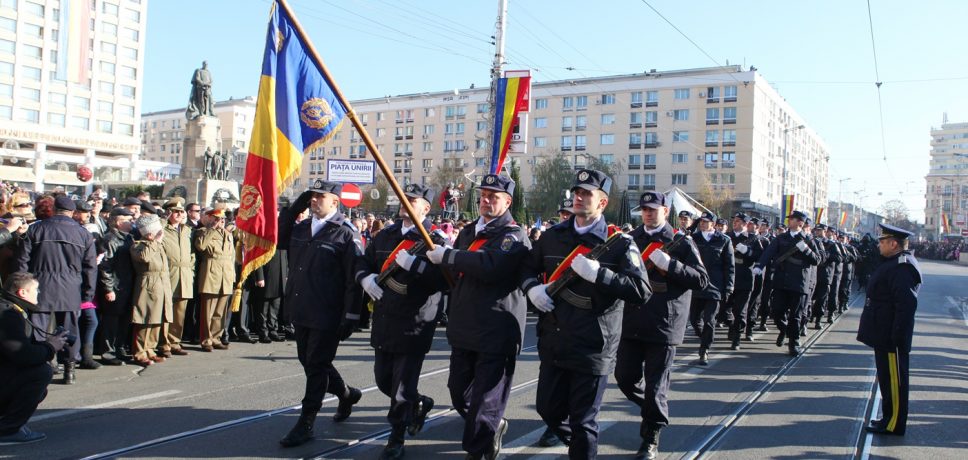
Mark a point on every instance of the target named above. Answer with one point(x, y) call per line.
point(16, 174)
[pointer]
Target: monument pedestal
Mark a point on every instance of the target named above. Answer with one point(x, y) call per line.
point(202, 134)
point(205, 192)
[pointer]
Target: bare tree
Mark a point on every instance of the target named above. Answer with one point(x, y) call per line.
point(717, 199)
point(553, 175)
point(896, 213)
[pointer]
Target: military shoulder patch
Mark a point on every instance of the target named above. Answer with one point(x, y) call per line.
point(508, 242)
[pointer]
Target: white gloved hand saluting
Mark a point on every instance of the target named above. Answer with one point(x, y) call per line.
point(372, 289)
point(539, 297)
point(802, 246)
point(742, 248)
point(437, 254)
point(585, 268)
point(757, 271)
point(660, 259)
point(405, 260)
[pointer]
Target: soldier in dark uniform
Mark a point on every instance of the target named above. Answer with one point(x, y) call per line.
point(565, 210)
point(851, 256)
point(825, 271)
point(685, 221)
point(755, 304)
point(405, 312)
point(651, 331)
point(323, 298)
point(833, 299)
point(790, 256)
point(114, 287)
point(747, 249)
point(766, 290)
point(487, 313)
point(716, 252)
point(887, 325)
point(580, 323)
point(817, 247)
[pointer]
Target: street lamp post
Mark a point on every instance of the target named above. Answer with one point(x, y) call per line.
point(783, 190)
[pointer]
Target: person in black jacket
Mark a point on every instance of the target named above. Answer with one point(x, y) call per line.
point(265, 296)
point(580, 325)
point(817, 247)
point(323, 299)
point(887, 325)
point(487, 312)
point(405, 313)
point(755, 303)
point(652, 330)
point(115, 286)
point(851, 257)
point(766, 289)
point(24, 372)
point(825, 271)
point(716, 252)
point(746, 251)
point(790, 256)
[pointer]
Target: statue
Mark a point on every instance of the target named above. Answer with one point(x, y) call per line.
point(216, 170)
point(209, 159)
point(200, 101)
point(226, 165)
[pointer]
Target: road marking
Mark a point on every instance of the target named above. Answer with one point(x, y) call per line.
point(120, 402)
point(865, 453)
point(962, 307)
point(528, 441)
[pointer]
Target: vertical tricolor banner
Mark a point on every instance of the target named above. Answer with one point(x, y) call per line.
point(843, 219)
point(787, 207)
point(511, 98)
point(818, 215)
point(945, 224)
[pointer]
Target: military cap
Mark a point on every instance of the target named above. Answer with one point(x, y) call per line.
point(175, 204)
point(820, 227)
point(890, 231)
point(284, 202)
point(654, 200)
point(325, 186)
point(64, 203)
point(83, 206)
point(121, 211)
point(706, 215)
point(720, 221)
point(742, 216)
point(754, 221)
point(832, 229)
point(131, 201)
point(798, 215)
point(567, 205)
point(808, 222)
point(686, 213)
point(215, 212)
point(147, 207)
point(497, 183)
point(419, 191)
point(148, 224)
point(590, 179)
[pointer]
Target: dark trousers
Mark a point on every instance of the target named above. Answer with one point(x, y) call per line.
point(114, 332)
point(766, 298)
point(265, 314)
point(739, 304)
point(844, 295)
point(643, 372)
point(20, 393)
point(190, 330)
point(397, 376)
point(786, 313)
point(479, 385)
point(833, 296)
point(316, 350)
point(701, 314)
point(237, 323)
point(88, 325)
point(892, 378)
point(47, 322)
point(753, 309)
point(819, 300)
point(575, 396)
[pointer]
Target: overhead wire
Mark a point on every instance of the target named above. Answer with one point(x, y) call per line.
point(880, 104)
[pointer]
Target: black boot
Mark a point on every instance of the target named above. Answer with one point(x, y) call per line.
point(649, 449)
point(87, 357)
point(420, 411)
point(779, 339)
point(549, 438)
point(494, 450)
point(302, 432)
point(69, 377)
point(394, 448)
point(346, 403)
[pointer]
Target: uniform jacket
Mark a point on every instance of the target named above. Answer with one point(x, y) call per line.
point(662, 319)
point(825, 270)
point(584, 339)
point(322, 290)
point(274, 273)
point(817, 247)
point(792, 274)
point(181, 260)
point(717, 256)
point(744, 261)
point(60, 253)
point(216, 268)
point(18, 350)
point(115, 273)
point(487, 309)
point(403, 323)
point(152, 288)
point(887, 321)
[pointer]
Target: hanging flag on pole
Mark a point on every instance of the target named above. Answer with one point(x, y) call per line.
point(945, 224)
point(818, 215)
point(511, 98)
point(843, 219)
point(787, 208)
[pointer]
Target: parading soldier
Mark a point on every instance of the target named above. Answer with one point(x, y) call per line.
point(323, 298)
point(747, 249)
point(825, 272)
point(851, 257)
point(405, 313)
point(887, 325)
point(651, 331)
point(833, 298)
point(716, 252)
point(766, 289)
point(755, 303)
point(487, 312)
point(580, 323)
point(817, 247)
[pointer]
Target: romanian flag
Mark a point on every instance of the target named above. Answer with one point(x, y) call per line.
point(945, 224)
point(843, 219)
point(818, 214)
point(788, 201)
point(512, 98)
point(296, 111)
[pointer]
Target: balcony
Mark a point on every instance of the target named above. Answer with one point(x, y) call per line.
point(652, 104)
point(712, 100)
point(579, 148)
point(729, 164)
point(712, 122)
point(635, 125)
point(648, 166)
point(633, 187)
point(565, 148)
point(729, 99)
point(651, 124)
point(712, 143)
point(635, 146)
point(565, 128)
point(648, 187)
point(729, 143)
point(729, 121)
point(580, 128)
point(652, 145)
point(711, 165)
point(636, 105)
point(635, 166)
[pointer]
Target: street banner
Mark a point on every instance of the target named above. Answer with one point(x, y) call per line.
point(843, 219)
point(787, 208)
point(818, 215)
point(512, 97)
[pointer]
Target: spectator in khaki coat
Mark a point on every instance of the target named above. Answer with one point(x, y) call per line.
point(152, 290)
point(181, 271)
point(216, 273)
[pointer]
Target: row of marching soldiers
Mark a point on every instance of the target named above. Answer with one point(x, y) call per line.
point(607, 303)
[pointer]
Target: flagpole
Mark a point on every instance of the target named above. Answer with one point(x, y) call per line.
point(359, 126)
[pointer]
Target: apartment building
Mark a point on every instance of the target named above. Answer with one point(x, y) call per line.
point(947, 180)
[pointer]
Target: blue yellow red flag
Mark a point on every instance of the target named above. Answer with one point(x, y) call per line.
point(511, 98)
point(787, 207)
point(818, 215)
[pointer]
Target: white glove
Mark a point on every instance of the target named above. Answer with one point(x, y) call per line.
point(802, 246)
point(405, 260)
point(742, 248)
point(437, 254)
point(585, 268)
point(539, 297)
point(369, 285)
point(757, 271)
point(660, 259)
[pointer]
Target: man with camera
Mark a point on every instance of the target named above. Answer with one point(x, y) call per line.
point(24, 372)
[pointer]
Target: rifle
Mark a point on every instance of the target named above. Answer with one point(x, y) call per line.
point(416, 249)
point(569, 275)
point(672, 245)
point(790, 252)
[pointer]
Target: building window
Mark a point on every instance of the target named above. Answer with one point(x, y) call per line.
point(729, 115)
point(540, 141)
point(606, 158)
point(608, 99)
point(607, 139)
point(482, 108)
point(636, 98)
point(728, 179)
point(651, 139)
point(648, 161)
point(729, 94)
point(651, 119)
point(566, 123)
point(105, 107)
point(680, 136)
point(380, 116)
point(682, 93)
point(567, 103)
point(541, 122)
point(680, 114)
point(648, 181)
point(34, 9)
point(127, 91)
point(651, 98)
point(581, 142)
point(581, 102)
point(428, 146)
point(635, 140)
point(110, 30)
point(712, 116)
point(31, 73)
point(712, 138)
point(635, 118)
point(108, 67)
point(128, 130)
point(109, 8)
point(105, 126)
point(635, 161)
point(8, 24)
point(633, 181)
point(7, 47)
point(6, 90)
point(106, 87)
point(712, 94)
point(729, 137)
point(34, 52)
point(680, 158)
point(581, 122)
point(82, 102)
point(729, 159)
point(131, 34)
point(679, 179)
point(129, 72)
point(541, 103)
point(55, 119)
point(132, 15)
point(481, 126)
point(30, 94)
point(80, 122)
point(712, 159)
point(6, 112)
point(608, 118)
point(6, 68)
point(30, 115)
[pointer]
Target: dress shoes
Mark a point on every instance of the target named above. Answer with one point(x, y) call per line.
point(301, 433)
point(424, 406)
point(157, 359)
point(220, 346)
point(494, 450)
point(345, 407)
point(207, 348)
point(179, 352)
point(549, 438)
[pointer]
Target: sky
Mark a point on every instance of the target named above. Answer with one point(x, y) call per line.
point(819, 55)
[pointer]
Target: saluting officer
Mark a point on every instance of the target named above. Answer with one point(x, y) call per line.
point(405, 313)
point(887, 325)
point(323, 298)
point(790, 256)
point(652, 330)
point(581, 320)
point(747, 249)
point(717, 255)
point(487, 313)
point(833, 298)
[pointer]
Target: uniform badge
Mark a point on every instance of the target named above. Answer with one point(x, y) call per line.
point(583, 176)
point(318, 184)
point(316, 113)
point(507, 242)
point(410, 188)
point(251, 202)
point(489, 180)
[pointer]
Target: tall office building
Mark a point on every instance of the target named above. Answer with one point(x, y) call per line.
point(70, 91)
point(947, 180)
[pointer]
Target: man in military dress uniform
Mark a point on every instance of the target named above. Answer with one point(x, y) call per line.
point(405, 288)
point(580, 322)
point(487, 312)
point(833, 296)
point(887, 325)
point(566, 209)
point(825, 272)
point(323, 298)
point(652, 330)
point(851, 256)
point(747, 249)
point(766, 288)
point(790, 256)
point(753, 311)
point(716, 252)
point(685, 221)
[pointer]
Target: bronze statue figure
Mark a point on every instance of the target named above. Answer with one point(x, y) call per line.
point(200, 102)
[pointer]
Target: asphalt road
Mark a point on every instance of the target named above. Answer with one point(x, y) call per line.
point(241, 400)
